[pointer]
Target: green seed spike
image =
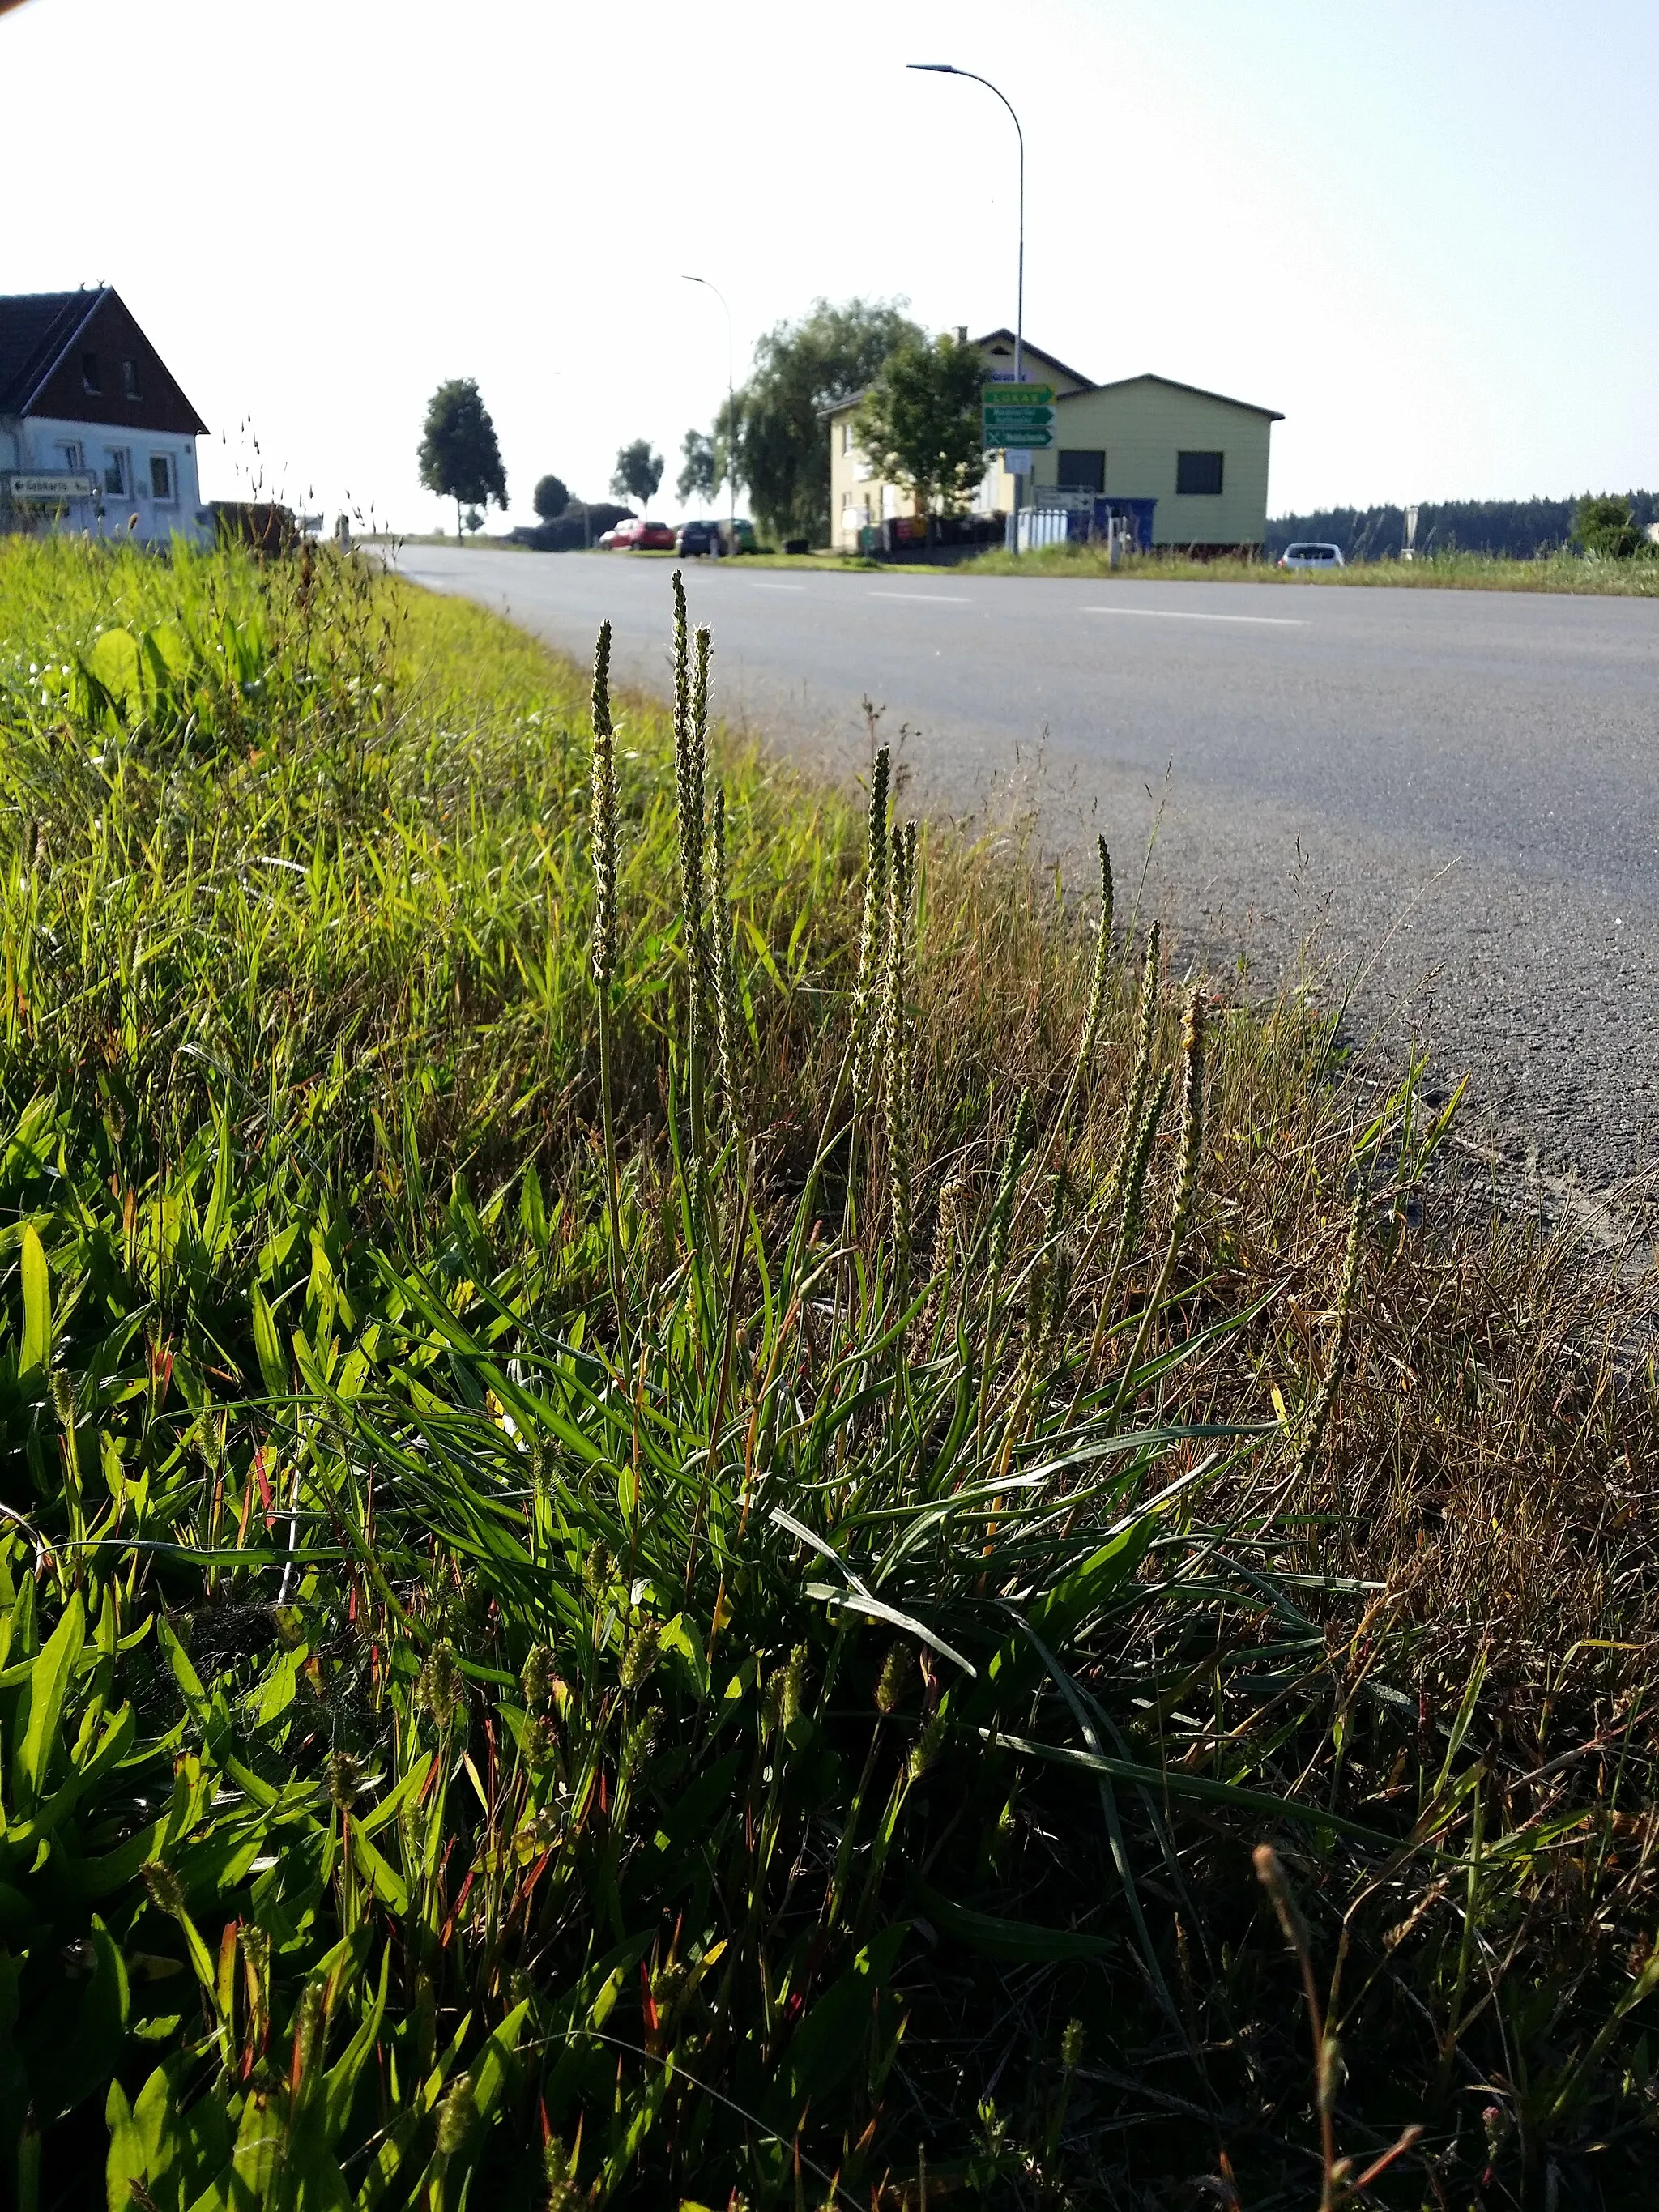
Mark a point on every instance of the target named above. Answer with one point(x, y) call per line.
point(1086, 1051)
point(1192, 1114)
point(605, 816)
point(873, 938)
point(898, 1049)
point(1136, 1102)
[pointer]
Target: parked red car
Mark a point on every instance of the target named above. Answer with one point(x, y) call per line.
point(636, 536)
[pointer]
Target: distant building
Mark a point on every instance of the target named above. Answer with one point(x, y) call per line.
point(1190, 467)
point(95, 433)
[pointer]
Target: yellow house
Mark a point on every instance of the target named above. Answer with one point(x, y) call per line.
point(859, 497)
point(1201, 458)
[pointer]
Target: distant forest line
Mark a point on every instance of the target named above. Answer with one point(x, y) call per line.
point(1514, 529)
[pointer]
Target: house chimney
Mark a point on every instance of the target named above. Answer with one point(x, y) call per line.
point(962, 333)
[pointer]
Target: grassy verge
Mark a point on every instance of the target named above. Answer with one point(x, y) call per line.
point(684, 1477)
point(1437, 572)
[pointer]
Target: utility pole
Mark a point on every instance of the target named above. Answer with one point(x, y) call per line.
point(949, 68)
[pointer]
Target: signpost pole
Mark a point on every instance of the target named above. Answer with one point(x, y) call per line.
point(949, 68)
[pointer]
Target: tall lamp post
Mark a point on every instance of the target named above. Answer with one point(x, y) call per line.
point(730, 408)
point(949, 68)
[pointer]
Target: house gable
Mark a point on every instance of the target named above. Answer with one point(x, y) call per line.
point(81, 357)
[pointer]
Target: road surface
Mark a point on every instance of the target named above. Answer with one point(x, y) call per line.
point(1449, 796)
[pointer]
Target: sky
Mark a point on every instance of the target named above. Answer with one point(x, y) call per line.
point(1422, 230)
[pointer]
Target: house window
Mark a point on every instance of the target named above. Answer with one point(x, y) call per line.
point(1081, 471)
point(160, 475)
point(72, 458)
point(118, 475)
point(130, 379)
point(89, 378)
point(1198, 472)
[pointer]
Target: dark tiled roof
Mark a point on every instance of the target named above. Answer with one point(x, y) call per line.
point(36, 329)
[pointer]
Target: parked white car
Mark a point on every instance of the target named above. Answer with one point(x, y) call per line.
point(1312, 557)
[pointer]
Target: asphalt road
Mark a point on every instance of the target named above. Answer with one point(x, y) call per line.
point(1447, 799)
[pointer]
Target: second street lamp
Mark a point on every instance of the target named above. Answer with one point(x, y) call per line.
point(950, 68)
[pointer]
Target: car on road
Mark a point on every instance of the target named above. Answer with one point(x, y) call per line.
point(637, 536)
point(1312, 557)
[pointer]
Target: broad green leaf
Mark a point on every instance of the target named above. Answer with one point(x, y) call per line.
point(268, 1345)
point(35, 1355)
point(48, 1680)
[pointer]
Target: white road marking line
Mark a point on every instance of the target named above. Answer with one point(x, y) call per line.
point(1185, 614)
point(755, 584)
point(933, 599)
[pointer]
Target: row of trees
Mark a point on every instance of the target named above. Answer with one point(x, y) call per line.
point(1612, 527)
point(918, 424)
point(460, 458)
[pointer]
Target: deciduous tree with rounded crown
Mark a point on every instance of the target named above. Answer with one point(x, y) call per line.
point(460, 456)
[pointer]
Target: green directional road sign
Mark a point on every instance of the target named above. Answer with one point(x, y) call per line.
point(1018, 414)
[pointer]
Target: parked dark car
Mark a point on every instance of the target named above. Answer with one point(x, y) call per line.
point(694, 539)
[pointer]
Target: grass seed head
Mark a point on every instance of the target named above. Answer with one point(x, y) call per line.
point(456, 2115)
point(1192, 1108)
point(166, 1891)
point(536, 1678)
point(438, 1689)
point(641, 1657)
point(924, 1752)
point(873, 937)
point(636, 1746)
point(343, 1774)
point(62, 1386)
point(891, 1682)
point(898, 1049)
point(603, 830)
point(1086, 1051)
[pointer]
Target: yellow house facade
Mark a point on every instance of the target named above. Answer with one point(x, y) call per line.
point(859, 497)
point(1201, 458)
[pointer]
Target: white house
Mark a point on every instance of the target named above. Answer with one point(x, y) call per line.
point(95, 433)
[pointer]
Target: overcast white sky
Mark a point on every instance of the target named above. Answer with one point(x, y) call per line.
point(1424, 229)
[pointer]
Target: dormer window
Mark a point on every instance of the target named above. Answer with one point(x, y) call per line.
point(130, 379)
point(90, 379)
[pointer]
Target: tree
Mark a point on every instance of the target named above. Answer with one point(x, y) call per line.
point(459, 457)
point(780, 445)
point(699, 478)
point(550, 498)
point(919, 422)
point(1606, 528)
point(474, 522)
point(638, 472)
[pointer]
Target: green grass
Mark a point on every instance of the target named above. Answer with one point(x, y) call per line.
point(770, 1687)
point(1437, 572)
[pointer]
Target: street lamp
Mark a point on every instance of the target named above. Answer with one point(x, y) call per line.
point(950, 68)
point(730, 408)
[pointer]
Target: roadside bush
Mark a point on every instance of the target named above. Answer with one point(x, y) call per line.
point(1606, 529)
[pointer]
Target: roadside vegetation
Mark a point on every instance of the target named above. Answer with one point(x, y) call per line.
point(1434, 572)
point(708, 1502)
